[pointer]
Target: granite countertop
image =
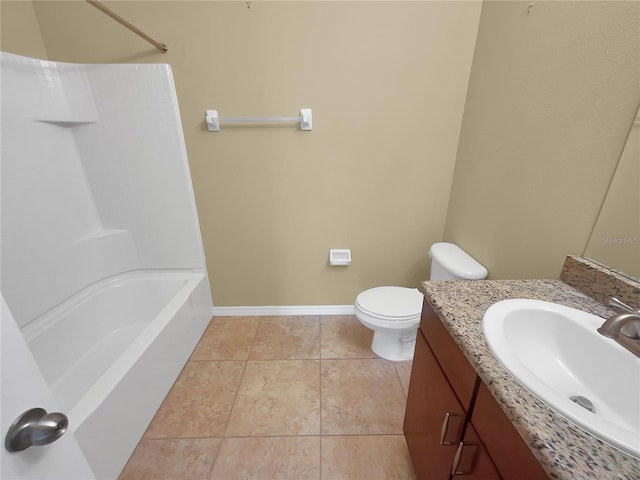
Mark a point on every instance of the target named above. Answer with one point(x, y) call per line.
point(564, 450)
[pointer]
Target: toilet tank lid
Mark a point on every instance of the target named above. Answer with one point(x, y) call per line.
point(457, 261)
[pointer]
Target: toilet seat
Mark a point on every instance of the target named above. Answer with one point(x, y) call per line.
point(393, 313)
point(391, 304)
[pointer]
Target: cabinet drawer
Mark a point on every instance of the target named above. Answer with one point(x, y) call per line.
point(510, 453)
point(455, 365)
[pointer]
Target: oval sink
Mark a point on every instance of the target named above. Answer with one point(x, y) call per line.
point(557, 354)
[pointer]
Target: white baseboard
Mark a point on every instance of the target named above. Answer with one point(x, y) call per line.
point(283, 310)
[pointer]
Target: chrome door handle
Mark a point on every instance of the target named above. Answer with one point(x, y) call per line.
point(35, 427)
point(451, 428)
point(463, 459)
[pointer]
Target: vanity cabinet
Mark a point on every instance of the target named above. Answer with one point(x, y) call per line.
point(453, 426)
point(430, 399)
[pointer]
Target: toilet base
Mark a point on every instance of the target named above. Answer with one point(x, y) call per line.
point(394, 347)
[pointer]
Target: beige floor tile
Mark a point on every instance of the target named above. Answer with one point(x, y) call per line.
point(343, 336)
point(199, 404)
point(281, 338)
point(362, 396)
point(172, 459)
point(277, 397)
point(294, 458)
point(281, 400)
point(227, 338)
point(404, 372)
point(372, 457)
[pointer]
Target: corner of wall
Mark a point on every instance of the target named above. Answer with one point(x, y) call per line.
point(20, 29)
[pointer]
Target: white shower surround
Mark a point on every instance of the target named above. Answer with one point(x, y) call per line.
point(97, 209)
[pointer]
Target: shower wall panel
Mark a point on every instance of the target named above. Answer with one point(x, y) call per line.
point(94, 179)
point(135, 161)
point(48, 207)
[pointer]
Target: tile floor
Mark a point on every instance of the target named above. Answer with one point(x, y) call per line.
point(280, 398)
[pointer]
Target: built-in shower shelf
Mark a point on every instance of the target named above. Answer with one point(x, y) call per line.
point(108, 251)
point(107, 232)
point(67, 123)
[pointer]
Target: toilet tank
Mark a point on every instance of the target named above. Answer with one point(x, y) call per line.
point(450, 262)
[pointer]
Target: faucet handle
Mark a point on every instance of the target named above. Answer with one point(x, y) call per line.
point(614, 302)
point(630, 330)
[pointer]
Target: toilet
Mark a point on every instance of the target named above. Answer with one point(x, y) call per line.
point(393, 313)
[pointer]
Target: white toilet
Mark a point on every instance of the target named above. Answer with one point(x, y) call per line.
point(393, 313)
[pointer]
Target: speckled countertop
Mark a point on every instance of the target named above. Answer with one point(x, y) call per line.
point(565, 451)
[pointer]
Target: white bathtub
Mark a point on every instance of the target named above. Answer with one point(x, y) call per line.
point(111, 353)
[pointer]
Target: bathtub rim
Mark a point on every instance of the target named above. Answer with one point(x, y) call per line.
point(48, 318)
point(99, 391)
point(120, 367)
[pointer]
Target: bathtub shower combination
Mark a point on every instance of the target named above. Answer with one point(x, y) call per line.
point(102, 266)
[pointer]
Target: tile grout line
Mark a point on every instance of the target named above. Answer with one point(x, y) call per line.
point(144, 437)
point(189, 359)
point(395, 367)
point(235, 399)
point(278, 436)
point(320, 386)
point(244, 370)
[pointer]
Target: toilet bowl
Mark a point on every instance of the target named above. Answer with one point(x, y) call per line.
point(393, 313)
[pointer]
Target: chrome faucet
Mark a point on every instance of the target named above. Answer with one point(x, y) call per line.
point(612, 328)
point(623, 327)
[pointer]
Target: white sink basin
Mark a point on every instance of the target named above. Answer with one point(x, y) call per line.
point(557, 354)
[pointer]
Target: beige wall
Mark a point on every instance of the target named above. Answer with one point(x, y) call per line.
point(552, 95)
point(19, 30)
point(386, 82)
point(615, 240)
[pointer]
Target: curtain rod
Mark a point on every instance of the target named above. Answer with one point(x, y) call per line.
point(160, 46)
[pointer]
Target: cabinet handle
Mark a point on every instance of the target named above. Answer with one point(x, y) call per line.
point(463, 459)
point(451, 428)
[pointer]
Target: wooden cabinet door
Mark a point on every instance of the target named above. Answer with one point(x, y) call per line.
point(511, 454)
point(459, 372)
point(430, 403)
